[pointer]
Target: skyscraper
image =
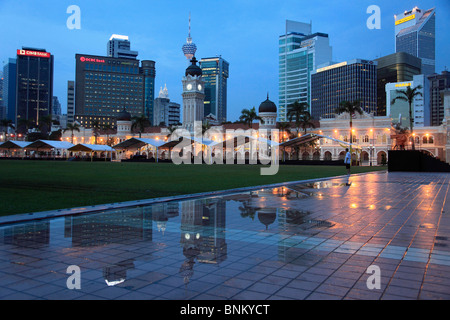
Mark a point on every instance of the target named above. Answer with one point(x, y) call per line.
point(104, 86)
point(346, 81)
point(415, 33)
point(119, 47)
point(396, 67)
point(215, 72)
point(149, 72)
point(9, 89)
point(300, 52)
point(70, 101)
point(438, 84)
point(34, 85)
point(56, 106)
point(2, 104)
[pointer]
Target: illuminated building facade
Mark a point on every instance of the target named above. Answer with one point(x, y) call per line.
point(346, 81)
point(415, 33)
point(34, 85)
point(300, 52)
point(104, 86)
point(396, 67)
point(215, 72)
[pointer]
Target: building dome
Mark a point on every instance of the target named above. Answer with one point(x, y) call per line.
point(193, 69)
point(267, 106)
point(124, 115)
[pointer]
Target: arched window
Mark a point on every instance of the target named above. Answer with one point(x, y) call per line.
point(366, 139)
point(425, 140)
point(430, 139)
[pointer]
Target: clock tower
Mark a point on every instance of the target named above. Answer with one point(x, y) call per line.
point(193, 96)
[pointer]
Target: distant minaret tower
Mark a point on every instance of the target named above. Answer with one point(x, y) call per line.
point(189, 48)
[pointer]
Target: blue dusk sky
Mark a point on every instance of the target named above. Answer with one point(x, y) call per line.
point(243, 32)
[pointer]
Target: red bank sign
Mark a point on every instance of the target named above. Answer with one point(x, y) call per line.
point(85, 59)
point(29, 53)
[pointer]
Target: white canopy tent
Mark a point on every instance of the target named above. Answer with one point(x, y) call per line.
point(14, 146)
point(49, 145)
point(92, 148)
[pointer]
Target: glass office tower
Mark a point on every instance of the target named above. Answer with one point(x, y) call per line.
point(300, 52)
point(415, 33)
point(346, 81)
point(215, 72)
point(149, 72)
point(396, 67)
point(9, 89)
point(34, 85)
point(104, 86)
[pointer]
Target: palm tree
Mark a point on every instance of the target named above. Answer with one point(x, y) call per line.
point(108, 131)
point(305, 121)
point(351, 108)
point(5, 124)
point(95, 129)
point(205, 126)
point(171, 131)
point(408, 95)
point(284, 127)
point(140, 123)
point(295, 111)
point(46, 123)
point(72, 127)
point(248, 116)
point(27, 123)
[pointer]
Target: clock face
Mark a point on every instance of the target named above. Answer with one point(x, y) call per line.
point(199, 87)
point(189, 86)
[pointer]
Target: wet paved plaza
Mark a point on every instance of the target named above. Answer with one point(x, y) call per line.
point(315, 240)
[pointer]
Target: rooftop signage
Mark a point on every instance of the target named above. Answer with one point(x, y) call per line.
point(408, 18)
point(86, 59)
point(29, 53)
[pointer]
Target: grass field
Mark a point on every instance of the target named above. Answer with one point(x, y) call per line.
point(32, 186)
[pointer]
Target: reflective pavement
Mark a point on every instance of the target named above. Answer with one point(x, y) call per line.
point(386, 236)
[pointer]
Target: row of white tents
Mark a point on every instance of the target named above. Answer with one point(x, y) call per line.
point(61, 147)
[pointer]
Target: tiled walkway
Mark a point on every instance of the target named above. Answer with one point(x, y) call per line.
point(301, 241)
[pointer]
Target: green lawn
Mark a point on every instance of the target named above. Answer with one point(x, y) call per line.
point(32, 186)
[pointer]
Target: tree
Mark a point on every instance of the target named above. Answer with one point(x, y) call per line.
point(5, 124)
point(305, 121)
point(351, 108)
point(72, 127)
point(248, 116)
point(284, 127)
point(45, 123)
point(25, 124)
point(295, 111)
point(108, 131)
point(140, 123)
point(95, 129)
point(409, 95)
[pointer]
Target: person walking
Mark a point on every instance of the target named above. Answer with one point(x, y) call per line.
point(348, 160)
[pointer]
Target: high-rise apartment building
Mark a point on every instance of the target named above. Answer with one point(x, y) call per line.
point(438, 84)
point(396, 67)
point(346, 81)
point(165, 111)
point(119, 47)
point(215, 72)
point(34, 85)
point(9, 89)
point(70, 101)
point(104, 86)
point(415, 33)
point(300, 52)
